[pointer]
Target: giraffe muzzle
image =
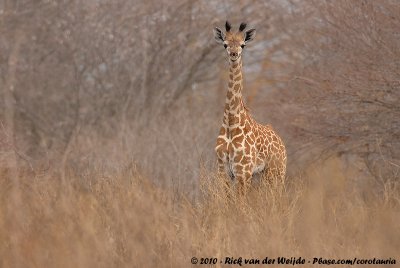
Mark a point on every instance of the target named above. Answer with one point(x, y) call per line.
point(233, 56)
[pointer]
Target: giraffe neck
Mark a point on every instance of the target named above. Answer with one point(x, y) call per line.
point(234, 103)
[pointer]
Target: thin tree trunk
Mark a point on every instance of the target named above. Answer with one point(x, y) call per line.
point(10, 102)
point(14, 201)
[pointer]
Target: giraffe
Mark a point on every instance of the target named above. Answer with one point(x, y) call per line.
point(244, 147)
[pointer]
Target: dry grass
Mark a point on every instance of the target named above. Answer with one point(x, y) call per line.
point(145, 83)
point(94, 220)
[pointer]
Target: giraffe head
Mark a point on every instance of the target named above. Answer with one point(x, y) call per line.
point(234, 42)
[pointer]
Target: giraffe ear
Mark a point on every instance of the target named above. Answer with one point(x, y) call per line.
point(219, 35)
point(249, 35)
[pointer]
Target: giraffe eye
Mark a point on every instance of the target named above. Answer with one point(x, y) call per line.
point(242, 46)
point(225, 45)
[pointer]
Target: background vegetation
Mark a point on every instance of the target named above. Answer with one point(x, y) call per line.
point(110, 110)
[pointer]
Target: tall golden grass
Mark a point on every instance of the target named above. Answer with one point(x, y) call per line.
point(122, 220)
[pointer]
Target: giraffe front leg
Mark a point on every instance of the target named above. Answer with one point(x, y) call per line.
point(221, 151)
point(243, 175)
point(244, 182)
point(221, 168)
point(224, 177)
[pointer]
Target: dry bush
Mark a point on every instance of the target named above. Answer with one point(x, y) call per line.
point(344, 90)
point(83, 81)
point(93, 79)
point(123, 220)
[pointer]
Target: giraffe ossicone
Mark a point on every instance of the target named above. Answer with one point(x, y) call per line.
point(244, 147)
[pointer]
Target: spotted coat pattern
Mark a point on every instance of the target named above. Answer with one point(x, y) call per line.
point(245, 147)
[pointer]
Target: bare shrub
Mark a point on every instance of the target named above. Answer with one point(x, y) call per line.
point(126, 79)
point(343, 93)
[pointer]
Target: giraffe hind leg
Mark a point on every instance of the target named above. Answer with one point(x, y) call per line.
point(273, 176)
